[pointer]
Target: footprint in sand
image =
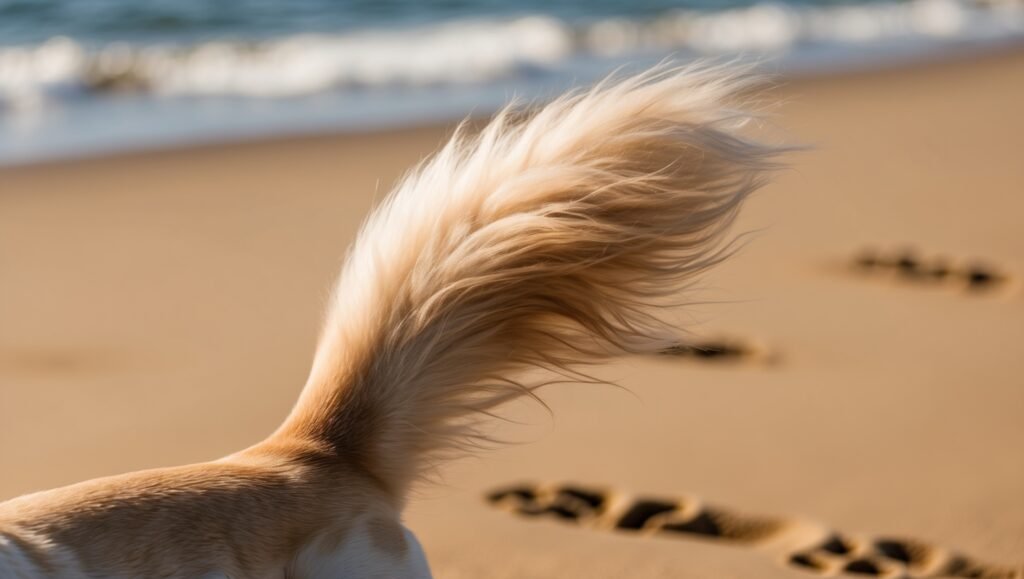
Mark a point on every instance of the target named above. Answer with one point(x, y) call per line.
point(714, 350)
point(908, 266)
point(48, 362)
point(797, 543)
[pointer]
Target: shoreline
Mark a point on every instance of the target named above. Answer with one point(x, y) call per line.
point(256, 133)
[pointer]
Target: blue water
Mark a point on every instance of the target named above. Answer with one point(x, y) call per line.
point(32, 21)
point(87, 76)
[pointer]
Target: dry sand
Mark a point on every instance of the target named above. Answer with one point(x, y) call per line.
point(161, 308)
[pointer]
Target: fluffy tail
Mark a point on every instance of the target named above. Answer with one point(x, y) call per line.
point(547, 241)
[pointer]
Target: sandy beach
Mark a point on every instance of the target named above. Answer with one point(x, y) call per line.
point(862, 414)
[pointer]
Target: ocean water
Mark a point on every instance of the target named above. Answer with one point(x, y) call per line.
point(80, 77)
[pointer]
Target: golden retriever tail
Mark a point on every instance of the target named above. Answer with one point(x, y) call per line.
point(545, 242)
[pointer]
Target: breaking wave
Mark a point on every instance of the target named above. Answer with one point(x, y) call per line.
point(472, 51)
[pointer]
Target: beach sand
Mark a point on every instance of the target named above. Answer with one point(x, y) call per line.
point(161, 308)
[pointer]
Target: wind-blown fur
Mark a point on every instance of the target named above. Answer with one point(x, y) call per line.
point(546, 242)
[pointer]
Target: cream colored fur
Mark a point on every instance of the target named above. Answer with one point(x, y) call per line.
point(546, 242)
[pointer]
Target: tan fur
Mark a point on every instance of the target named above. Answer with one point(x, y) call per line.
point(547, 242)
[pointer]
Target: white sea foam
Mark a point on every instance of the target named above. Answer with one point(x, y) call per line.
point(471, 51)
point(458, 52)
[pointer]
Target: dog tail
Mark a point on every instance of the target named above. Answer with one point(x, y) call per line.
point(546, 242)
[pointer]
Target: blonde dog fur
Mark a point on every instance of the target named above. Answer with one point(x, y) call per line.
point(548, 241)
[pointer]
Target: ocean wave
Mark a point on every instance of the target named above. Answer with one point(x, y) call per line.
point(471, 51)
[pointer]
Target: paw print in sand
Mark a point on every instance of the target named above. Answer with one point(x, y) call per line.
point(908, 266)
point(799, 544)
